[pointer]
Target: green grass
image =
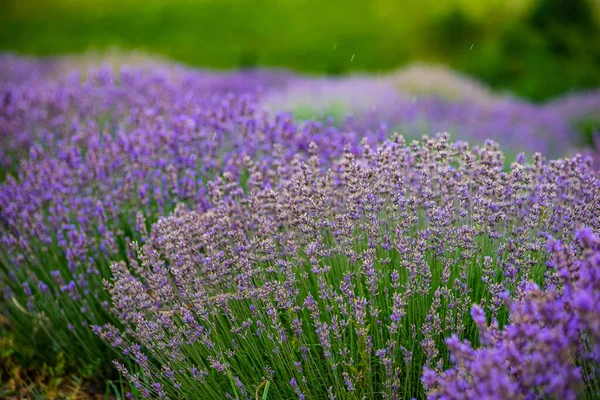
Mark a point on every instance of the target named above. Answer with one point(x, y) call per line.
point(20, 378)
point(308, 35)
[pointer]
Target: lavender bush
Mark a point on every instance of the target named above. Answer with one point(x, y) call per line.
point(40, 103)
point(101, 151)
point(300, 261)
point(49, 110)
point(550, 349)
point(515, 124)
point(346, 281)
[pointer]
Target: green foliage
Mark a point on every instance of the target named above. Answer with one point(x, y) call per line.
point(554, 50)
point(453, 32)
point(23, 376)
point(502, 43)
point(589, 129)
point(558, 14)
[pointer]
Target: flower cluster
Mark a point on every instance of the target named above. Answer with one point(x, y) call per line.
point(218, 249)
point(101, 151)
point(551, 347)
point(345, 280)
point(48, 111)
point(463, 108)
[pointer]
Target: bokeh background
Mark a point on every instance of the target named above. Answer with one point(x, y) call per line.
point(536, 49)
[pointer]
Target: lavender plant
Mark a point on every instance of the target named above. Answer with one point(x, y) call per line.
point(334, 263)
point(343, 280)
point(515, 124)
point(103, 150)
point(47, 108)
point(71, 210)
point(552, 346)
point(40, 104)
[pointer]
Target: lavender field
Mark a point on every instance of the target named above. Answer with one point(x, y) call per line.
point(181, 233)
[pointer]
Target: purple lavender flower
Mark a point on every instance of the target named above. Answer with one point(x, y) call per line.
point(542, 351)
point(336, 258)
point(26, 289)
point(358, 272)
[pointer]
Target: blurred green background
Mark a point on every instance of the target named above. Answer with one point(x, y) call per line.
point(534, 48)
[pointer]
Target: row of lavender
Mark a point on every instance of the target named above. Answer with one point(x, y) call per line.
point(361, 104)
point(353, 281)
point(303, 260)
